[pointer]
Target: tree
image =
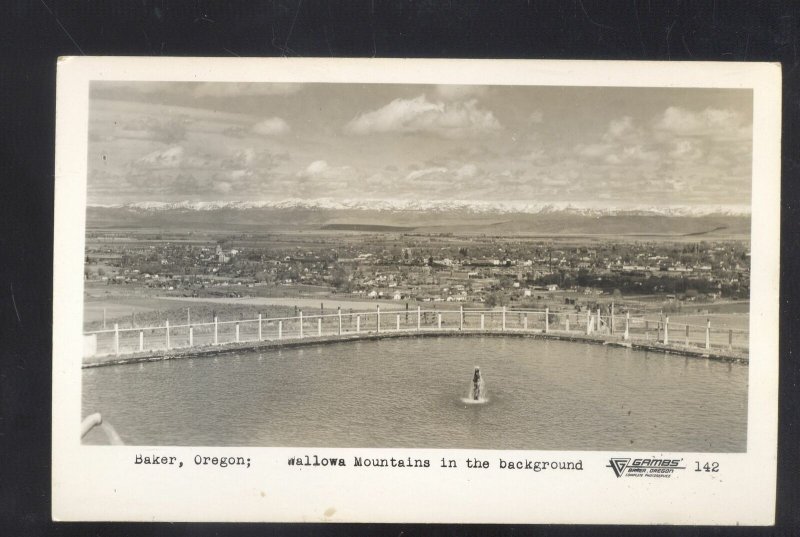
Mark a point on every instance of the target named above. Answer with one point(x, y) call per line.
point(340, 278)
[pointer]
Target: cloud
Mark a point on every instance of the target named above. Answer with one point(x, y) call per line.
point(249, 157)
point(536, 156)
point(223, 187)
point(172, 157)
point(457, 91)
point(712, 123)
point(622, 143)
point(417, 174)
point(633, 153)
point(594, 151)
point(320, 169)
point(317, 167)
point(164, 130)
point(448, 120)
point(559, 181)
point(622, 129)
point(467, 170)
point(271, 127)
point(686, 150)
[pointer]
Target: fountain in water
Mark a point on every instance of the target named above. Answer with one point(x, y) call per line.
point(477, 389)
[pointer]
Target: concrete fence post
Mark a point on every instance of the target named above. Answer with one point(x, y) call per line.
point(461, 318)
point(237, 331)
point(687, 335)
point(116, 339)
point(627, 334)
point(419, 318)
point(378, 321)
point(141, 340)
point(216, 331)
point(259, 327)
point(280, 329)
point(301, 324)
point(597, 324)
point(339, 313)
point(504, 318)
point(730, 339)
point(439, 321)
point(547, 320)
point(666, 330)
point(708, 333)
point(398, 322)
point(611, 321)
point(566, 322)
point(525, 322)
point(191, 336)
point(588, 322)
point(358, 323)
point(319, 326)
point(167, 327)
point(482, 321)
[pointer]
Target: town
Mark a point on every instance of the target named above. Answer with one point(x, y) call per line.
point(493, 271)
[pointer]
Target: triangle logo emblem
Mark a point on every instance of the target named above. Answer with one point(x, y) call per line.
point(618, 465)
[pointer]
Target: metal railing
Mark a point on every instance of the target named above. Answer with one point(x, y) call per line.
point(120, 341)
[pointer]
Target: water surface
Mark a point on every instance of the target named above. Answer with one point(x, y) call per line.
point(542, 394)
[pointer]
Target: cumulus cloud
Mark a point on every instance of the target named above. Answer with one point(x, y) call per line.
point(172, 157)
point(622, 129)
point(711, 122)
point(419, 115)
point(271, 127)
point(623, 142)
point(317, 167)
point(320, 169)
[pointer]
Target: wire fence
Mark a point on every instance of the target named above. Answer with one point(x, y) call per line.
point(121, 341)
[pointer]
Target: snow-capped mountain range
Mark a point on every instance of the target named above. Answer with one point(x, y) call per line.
point(441, 206)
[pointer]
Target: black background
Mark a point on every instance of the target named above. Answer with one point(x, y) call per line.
point(34, 32)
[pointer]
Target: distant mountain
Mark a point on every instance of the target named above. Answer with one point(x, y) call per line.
point(473, 206)
point(491, 218)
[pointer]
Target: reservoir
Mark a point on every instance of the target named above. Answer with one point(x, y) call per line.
point(415, 393)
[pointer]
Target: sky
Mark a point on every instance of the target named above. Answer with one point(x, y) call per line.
point(170, 141)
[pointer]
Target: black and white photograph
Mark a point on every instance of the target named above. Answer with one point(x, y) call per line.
point(441, 266)
point(403, 267)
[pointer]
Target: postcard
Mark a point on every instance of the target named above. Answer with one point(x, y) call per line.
point(374, 290)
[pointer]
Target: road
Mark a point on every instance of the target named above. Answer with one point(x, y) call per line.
point(310, 304)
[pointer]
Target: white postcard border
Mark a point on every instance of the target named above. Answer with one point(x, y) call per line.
point(101, 483)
